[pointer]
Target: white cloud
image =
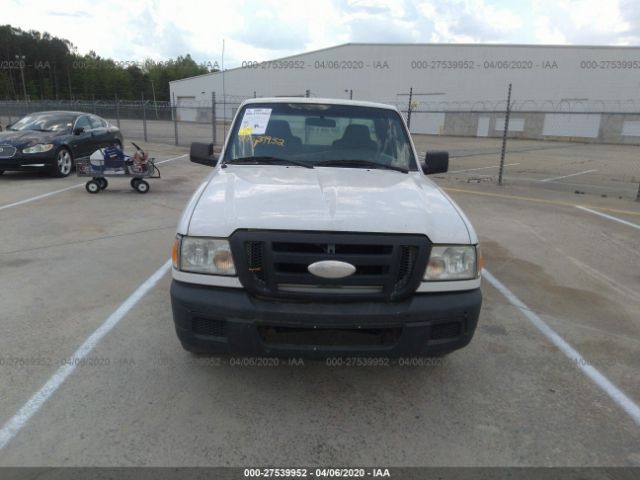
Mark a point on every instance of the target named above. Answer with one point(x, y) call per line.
point(548, 34)
point(472, 21)
point(264, 29)
point(583, 22)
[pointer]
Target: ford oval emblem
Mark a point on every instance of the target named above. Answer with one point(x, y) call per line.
point(331, 269)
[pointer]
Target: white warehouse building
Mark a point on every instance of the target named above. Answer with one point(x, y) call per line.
point(587, 93)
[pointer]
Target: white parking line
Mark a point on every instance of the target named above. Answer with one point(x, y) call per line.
point(566, 176)
point(44, 195)
point(483, 168)
point(55, 192)
point(617, 395)
point(615, 219)
point(35, 403)
point(171, 159)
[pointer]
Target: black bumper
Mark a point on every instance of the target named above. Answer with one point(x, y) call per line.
point(24, 163)
point(229, 320)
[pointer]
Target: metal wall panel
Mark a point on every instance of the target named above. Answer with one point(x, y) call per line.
point(515, 124)
point(571, 125)
point(430, 123)
point(631, 128)
point(483, 126)
point(473, 77)
point(186, 108)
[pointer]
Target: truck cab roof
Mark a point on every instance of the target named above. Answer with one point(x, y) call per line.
point(314, 100)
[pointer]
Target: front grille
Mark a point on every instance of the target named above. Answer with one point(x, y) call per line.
point(7, 151)
point(407, 261)
point(254, 255)
point(275, 264)
point(208, 327)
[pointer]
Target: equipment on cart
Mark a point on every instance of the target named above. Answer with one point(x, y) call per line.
point(113, 162)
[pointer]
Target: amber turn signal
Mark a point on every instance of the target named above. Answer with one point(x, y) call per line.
point(175, 252)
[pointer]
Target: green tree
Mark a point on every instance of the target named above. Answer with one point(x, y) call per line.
point(53, 69)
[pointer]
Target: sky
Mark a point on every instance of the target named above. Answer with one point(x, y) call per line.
point(131, 31)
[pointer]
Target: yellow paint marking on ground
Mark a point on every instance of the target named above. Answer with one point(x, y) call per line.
point(539, 200)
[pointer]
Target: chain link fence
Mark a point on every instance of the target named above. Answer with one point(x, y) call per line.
point(149, 121)
point(184, 121)
point(179, 122)
point(563, 105)
point(569, 123)
point(564, 119)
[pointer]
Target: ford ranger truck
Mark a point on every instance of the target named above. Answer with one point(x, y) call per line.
point(319, 234)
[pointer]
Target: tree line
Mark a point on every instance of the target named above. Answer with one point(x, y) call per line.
point(44, 67)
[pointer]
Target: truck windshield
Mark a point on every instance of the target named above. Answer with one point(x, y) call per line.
point(322, 135)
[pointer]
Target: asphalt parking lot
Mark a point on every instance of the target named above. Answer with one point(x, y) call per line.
point(90, 272)
point(610, 171)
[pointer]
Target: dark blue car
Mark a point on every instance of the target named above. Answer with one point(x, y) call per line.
point(52, 140)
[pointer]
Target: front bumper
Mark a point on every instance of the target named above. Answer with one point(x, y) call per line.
point(26, 163)
point(229, 320)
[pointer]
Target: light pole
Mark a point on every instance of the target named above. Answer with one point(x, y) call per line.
point(154, 98)
point(20, 59)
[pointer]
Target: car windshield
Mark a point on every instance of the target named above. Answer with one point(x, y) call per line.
point(44, 122)
point(322, 135)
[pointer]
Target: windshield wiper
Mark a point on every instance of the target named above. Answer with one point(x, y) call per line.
point(265, 159)
point(359, 164)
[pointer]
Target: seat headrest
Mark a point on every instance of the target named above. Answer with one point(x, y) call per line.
point(357, 134)
point(279, 128)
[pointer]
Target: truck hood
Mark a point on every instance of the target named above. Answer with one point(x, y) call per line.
point(325, 199)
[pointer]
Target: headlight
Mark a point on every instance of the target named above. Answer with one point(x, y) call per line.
point(39, 148)
point(452, 262)
point(204, 255)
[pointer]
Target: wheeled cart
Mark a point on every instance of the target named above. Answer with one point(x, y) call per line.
point(113, 162)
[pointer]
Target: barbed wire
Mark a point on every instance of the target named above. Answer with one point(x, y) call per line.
point(563, 105)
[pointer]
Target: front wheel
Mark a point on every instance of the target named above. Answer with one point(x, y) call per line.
point(63, 164)
point(142, 186)
point(92, 186)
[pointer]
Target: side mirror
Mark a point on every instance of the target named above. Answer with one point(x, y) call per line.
point(202, 153)
point(435, 162)
point(78, 130)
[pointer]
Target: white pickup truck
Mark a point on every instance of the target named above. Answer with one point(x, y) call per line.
point(319, 234)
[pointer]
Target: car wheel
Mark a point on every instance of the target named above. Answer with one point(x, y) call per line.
point(92, 186)
point(142, 186)
point(63, 164)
